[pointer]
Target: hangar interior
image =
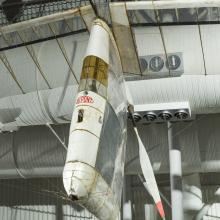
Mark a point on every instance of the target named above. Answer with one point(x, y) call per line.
point(42, 47)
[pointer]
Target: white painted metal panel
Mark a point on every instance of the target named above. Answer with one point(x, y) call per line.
point(25, 69)
point(53, 63)
point(211, 45)
point(184, 39)
point(81, 40)
point(148, 40)
point(8, 85)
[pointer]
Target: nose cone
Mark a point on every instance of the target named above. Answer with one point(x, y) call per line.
point(74, 187)
point(77, 180)
point(86, 186)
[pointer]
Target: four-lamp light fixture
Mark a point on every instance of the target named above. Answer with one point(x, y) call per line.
point(162, 112)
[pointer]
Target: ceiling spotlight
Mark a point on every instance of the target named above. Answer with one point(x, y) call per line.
point(143, 64)
point(173, 62)
point(137, 117)
point(150, 116)
point(156, 64)
point(182, 114)
point(165, 115)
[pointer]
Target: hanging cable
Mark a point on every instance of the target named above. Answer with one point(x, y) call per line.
point(201, 42)
point(157, 16)
point(56, 135)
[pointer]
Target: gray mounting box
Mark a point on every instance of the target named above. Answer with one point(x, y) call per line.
point(160, 65)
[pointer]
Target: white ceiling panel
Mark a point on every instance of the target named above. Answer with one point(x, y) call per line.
point(8, 85)
point(211, 45)
point(148, 41)
point(25, 69)
point(184, 39)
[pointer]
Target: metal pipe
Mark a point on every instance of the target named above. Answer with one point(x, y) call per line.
point(175, 175)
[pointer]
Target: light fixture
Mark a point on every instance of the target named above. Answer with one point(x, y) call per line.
point(165, 115)
point(150, 116)
point(162, 112)
point(137, 117)
point(182, 114)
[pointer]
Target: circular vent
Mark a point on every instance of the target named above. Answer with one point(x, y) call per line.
point(165, 116)
point(181, 115)
point(143, 64)
point(156, 64)
point(137, 117)
point(150, 117)
point(173, 62)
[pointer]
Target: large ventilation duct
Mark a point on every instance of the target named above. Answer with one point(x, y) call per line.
point(202, 92)
point(35, 151)
point(32, 152)
point(37, 108)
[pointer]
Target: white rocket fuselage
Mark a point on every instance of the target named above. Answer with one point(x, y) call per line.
point(89, 172)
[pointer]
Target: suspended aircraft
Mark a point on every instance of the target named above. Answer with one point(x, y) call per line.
point(94, 168)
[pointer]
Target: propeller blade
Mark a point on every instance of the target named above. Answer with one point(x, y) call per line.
point(150, 182)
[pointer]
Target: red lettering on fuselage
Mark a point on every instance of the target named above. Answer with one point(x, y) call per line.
point(84, 99)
